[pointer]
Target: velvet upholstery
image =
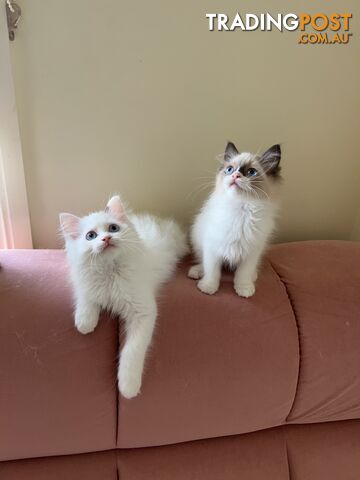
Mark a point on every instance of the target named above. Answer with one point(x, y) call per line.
point(219, 368)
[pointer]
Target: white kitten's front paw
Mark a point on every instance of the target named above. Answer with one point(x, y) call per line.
point(208, 287)
point(195, 272)
point(85, 328)
point(83, 325)
point(129, 385)
point(245, 290)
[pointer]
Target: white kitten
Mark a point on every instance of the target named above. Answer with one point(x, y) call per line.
point(117, 262)
point(237, 220)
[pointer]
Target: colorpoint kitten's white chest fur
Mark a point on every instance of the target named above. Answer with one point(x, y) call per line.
point(236, 222)
point(232, 227)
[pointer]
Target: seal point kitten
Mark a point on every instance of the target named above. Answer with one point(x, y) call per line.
point(236, 222)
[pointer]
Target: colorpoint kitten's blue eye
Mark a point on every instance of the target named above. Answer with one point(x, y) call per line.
point(252, 172)
point(229, 170)
point(113, 227)
point(91, 235)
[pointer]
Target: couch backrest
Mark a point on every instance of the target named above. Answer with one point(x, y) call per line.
point(218, 365)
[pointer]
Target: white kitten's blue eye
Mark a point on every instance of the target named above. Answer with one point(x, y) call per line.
point(91, 235)
point(229, 170)
point(113, 227)
point(251, 172)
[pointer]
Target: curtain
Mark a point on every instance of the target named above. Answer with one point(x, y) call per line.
point(15, 231)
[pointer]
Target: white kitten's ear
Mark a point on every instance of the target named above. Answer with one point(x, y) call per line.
point(70, 224)
point(116, 207)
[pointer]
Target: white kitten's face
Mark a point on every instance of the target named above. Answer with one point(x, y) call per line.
point(100, 233)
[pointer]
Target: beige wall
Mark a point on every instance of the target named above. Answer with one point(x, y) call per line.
point(139, 98)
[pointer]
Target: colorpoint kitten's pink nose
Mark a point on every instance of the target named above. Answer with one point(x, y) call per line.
point(236, 175)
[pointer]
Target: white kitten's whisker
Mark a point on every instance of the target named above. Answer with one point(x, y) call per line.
point(128, 235)
point(92, 261)
point(133, 249)
point(132, 243)
point(129, 239)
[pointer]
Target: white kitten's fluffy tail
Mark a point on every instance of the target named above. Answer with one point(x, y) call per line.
point(166, 242)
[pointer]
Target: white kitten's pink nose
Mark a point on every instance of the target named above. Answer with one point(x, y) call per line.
point(106, 240)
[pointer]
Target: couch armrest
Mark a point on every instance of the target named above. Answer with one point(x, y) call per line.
point(58, 391)
point(322, 279)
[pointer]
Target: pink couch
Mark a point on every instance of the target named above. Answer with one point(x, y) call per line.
point(284, 364)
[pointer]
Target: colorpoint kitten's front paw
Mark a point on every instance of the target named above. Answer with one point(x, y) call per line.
point(245, 290)
point(195, 272)
point(129, 386)
point(208, 287)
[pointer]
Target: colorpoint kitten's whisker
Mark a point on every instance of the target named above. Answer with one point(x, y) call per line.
point(209, 177)
point(261, 190)
point(200, 188)
point(264, 172)
point(220, 158)
point(254, 192)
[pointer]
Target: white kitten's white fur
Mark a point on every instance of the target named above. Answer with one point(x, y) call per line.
point(236, 222)
point(121, 271)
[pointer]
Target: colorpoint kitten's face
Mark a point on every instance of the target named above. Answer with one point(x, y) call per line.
point(249, 174)
point(97, 233)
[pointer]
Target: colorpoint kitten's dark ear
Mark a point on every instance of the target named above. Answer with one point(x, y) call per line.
point(270, 160)
point(230, 152)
